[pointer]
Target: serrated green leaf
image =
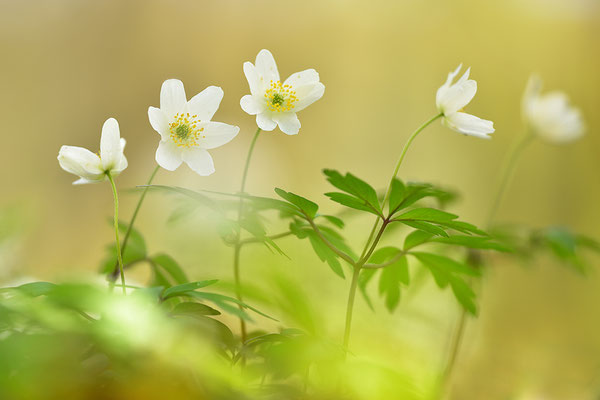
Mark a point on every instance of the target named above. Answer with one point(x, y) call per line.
point(363, 190)
point(363, 280)
point(223, 301)
point(199, 197)
point(308, 207)
point(389, 282)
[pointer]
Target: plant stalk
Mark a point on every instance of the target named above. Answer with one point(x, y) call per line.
point(116, 221)
point(238, 244)
point(115, 271)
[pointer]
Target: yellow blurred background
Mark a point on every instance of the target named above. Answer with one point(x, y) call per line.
point(68, 65)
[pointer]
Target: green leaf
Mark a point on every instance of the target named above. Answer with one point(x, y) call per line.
point(334, 220)
point(396, 195)
point(473, 242)
point(444, 264)
point(413, 192)
point(351, 202)
point(194, 309)
point(171, 267)
point(416, 238)
point(187, 287)
point(389, 282)
point(463, 227)
point(363, 190)
point(223, 302)
point(426, 214)
point(308, 207)
point(35, 289)
point(426, 227)
point(326, 254)
point(464, 294)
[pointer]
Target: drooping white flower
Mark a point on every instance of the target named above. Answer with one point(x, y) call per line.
point(90, 167)
point(451, 98)
point(550, 116)
point(186, 129)
point(275, 103)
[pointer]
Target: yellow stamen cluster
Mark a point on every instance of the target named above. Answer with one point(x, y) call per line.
point(280, 97)
point(184, 130)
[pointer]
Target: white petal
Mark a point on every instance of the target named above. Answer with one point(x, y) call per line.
point(80, 162)
point(172, 97)
point(307, 95)
point(266, 66)
point(216, 134)
point(83, 181)
point(251, 106)
point(306, 77)
point(288, 122)
point(159, 121)
point(110, 145)
point(469, 125)
point(199, 161)
point(265, 122)
point(206, 103)
point(442, 90)
point(123, 162)
point(457, 96)
point(252, 78)
point(168, 155)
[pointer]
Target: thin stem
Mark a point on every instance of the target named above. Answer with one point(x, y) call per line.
point(133, 218)
point(350, 307)
point(506, 173)
point(398, 164)
point(238, 245)
point(118, 243)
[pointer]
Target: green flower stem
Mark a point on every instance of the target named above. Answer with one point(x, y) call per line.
point(113, 275)
point(370, 247)
point(354, 285)
point(398, 164)
point(238, 243)
point(350, 307)
point(117, 241)
point(508, 167)
point(505, 175)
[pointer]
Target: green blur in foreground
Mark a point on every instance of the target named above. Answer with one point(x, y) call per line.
point(174, 338)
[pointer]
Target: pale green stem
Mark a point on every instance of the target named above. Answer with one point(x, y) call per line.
point(398, 164)
point(238, 244)
point(117, 241)
point(370, 247)
point(133, 217)
point(505, 175)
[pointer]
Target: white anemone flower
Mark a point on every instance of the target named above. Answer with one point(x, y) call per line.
point(186, 129)
point(275, 103)
point(90, 167)
point(550, 116)
point(451, 98)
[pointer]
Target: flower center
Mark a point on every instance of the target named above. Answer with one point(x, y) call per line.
point(184, 130)
point(280, 97)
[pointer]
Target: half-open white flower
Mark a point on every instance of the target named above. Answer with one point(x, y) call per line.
point(90, 167)
point(186, 129)
point(451, 98)
point(550, 116)
point(275, 103)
